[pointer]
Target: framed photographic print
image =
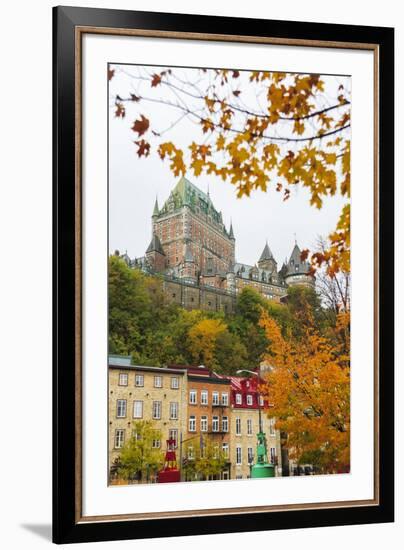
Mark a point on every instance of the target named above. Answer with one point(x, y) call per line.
point(223, 274)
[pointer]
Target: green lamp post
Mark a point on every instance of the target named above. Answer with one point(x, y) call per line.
point(261, 468)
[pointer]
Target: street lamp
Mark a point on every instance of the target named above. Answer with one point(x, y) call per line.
point(262, 468)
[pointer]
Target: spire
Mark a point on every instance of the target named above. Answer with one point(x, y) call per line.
point(266, 253)
point(231, 234)
point(295, 264)
point(155, 246)
point(156, 208)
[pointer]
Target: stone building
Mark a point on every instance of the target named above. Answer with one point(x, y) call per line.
point(208, 406)
point(144, 393)
point(246, 405)
point(191, 405)
point(195, 254)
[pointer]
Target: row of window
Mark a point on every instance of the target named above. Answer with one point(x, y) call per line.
point(250, 455)
point(121, 412)
point(249, 400)
point(158, 381)
point(119, 439)
point(204, 424)
point(121, 409)
point(225, 424)
point(204, 398)
point(173, 434)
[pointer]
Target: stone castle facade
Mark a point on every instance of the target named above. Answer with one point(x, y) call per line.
point(195, 254)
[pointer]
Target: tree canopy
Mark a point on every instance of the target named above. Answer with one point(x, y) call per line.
point(145, 325)
point(138, 457)
point(308, 386)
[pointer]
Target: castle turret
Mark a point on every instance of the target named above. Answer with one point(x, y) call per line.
point(267, 261)
point(155, 254)
point(298, 271)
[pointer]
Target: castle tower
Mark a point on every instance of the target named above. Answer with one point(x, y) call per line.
point(188, 270)
point(298, 271)
point(189, 215)
point(155, 255)
point(267, 261)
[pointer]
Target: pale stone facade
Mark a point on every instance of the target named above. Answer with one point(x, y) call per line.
point(245, 427)
point(144, 393)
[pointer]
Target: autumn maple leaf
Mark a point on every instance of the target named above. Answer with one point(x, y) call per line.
point(156, 80)
point(141, 126)
point(143, 148)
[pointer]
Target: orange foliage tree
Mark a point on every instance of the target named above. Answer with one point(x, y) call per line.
point(255, 129)
point(309, 387)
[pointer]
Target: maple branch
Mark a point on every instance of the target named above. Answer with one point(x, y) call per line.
point(235, 107)
point(235, 130)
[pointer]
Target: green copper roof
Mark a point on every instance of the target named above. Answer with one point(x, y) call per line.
point(156, 208)
point(185, 193)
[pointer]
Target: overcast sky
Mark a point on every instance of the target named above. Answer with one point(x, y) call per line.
point(134, 184)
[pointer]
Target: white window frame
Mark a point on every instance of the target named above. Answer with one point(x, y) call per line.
point(174, 410)
point(249, 399)
point(261, 401)
point(249, 426)
point(225, 423)
point(204, 423)
point(239, 455)
point(239, 399)
point(175, 383)
point(190, 453)
point(139, 380)
point(123, 375)
point(225, 399)
point(225, 450)
point(119, 406)
point(272, 430)
point(215, 398)
point(156, 444)
point(238, 426)
point(156, 410)
point(119, 443)
point(193, 397)
point(158, 381)
point(250, 455)
point(173, 432)
point(204, 397)
point(136, 404)
point(272, 454)
point(192, 423)
point(215, 423)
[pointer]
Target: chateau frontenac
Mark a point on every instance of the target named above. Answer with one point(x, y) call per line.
point(194, 253)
